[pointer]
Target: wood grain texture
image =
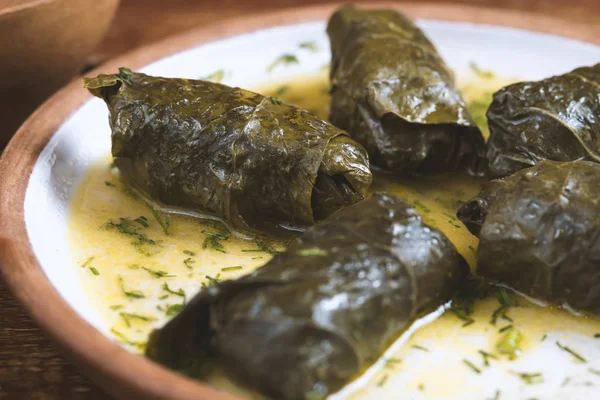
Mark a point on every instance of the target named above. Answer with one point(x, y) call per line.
point(30, 367)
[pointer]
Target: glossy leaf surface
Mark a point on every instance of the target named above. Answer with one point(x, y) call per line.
point(256, 162)
point(553, 119)
point(316, 315)
point(394, 94)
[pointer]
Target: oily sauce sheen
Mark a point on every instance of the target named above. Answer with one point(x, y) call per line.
point(139, 266)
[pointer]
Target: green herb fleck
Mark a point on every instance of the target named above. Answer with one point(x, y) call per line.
point(392, 362)
point(143, 221)
point(256, 258)
point(189, 253)
point(597, 335)
point(421, 206)
point(486, 356)
point(284, 59)
point(496, 395)
point(216, 235)
point(570, 351)
point(216, 76)
point(544, 337)
point(383, 380)
point(530, 378)
point(94, 271)
point(312, 251)
point(276, 100)
point(509, 343)
point(472, 366)
point(252, 250)
point(135, 294)
point(312, 46)
point(454, 224)
point(116, 307)
point(460, 313)
point(594, 371)
point(157, 273)
point(211, 280)
point(125, 71)
point(416, 346)
point(473, 249)
point(127, 317)
point(166, 288)
point(213, 241)
point(189, 262)
point(480, 72)
point(505, 328)
point(88, 261)
point(163, 220)
point(125, 340)
point(127, 227)
point(234, 268)
point(421, 387)
point(163, 296)
point(173, 309)
point(109, 184)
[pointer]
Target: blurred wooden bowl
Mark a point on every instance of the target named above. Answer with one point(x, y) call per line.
point(43, 43)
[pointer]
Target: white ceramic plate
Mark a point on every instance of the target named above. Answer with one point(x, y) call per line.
point(85, 137)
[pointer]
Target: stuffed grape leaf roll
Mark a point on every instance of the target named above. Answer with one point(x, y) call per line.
point(557, 119)
point(314, 316)
point(539, 232)
point(395, 95)
point(252, 160)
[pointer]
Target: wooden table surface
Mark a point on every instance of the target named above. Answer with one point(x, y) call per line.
point(30, 367)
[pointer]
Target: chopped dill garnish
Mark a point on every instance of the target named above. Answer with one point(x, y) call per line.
point(158, 273)
point(392, 362)
point(135, 294)
point(383, 380)
point(312, 251)
point(127, 227)
point(166, 288)
point(312, 46)
point(416, 346)
point(421, 206)
point(454, 224)
point(480, 72)
point(173, 309)
point(189, 253)
point(570, 351)
point(234, 268)
point(472, 366)
point(267, 246)
point(216, 76)
point(276, 100)
point(109, 184)
point(566, 381)
point(216, 235)
point(189, 262)
point(505, 328)
point(463, 315)
point(281, 90)
point(127, 317)
point(163, 296)
point(421, 387)
point(544, 337)
point(125, 340)
point(94, 271)
point(88, 261)
point(213, 241)
point(594, 371)
point(210, 281)
point(597, 335)
point(284, 59)
point(509, 343)
point(486, 356)
point(116, 307)
point(143, 221)
point(252, 251)
point(530, 378)
point(256, 258)
point(163, 221)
